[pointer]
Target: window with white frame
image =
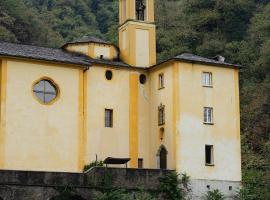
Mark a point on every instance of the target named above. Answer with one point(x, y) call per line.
point(207, 79)
point(208, 115)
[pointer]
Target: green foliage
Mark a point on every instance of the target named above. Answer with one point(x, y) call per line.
point(66, 193)
point(214, 195)
point(174, 187)
point(120, 194)
point(93, 164)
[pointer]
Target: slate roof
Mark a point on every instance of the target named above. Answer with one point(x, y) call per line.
point(194, 58)
point(89, 39)
point(51, 54)
point(42, 53)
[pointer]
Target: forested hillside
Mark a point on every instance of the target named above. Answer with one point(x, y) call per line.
point(237, 29)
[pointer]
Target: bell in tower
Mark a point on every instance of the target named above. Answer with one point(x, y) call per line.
point(140, 10)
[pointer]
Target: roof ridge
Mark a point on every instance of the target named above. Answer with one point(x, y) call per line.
point(30, 45)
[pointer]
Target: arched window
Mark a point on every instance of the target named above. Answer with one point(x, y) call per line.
point(162, 157)
point(141, 10)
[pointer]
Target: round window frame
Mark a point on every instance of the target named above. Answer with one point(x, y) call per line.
point(108, 70)
point(45, 78)
point(143, 82)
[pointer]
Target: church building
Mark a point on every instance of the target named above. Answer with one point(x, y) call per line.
point(62, 108)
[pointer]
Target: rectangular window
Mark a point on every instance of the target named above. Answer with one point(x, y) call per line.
point(140, 163)
point(207, 79)
point(109, 118)
point(161, 81)
point(209, 154)
point(161, 115)
point(208, 115)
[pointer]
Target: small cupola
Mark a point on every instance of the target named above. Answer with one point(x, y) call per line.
point(93, 47)
point(219, 58)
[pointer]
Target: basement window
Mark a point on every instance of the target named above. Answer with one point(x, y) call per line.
point(140, 163)
point(209, 155)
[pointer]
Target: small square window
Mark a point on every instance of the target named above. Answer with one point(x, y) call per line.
point(108, 118)
point(209, 155)
point(207, 79)
point(140, 163)
point(208, 115)
point(161, 81)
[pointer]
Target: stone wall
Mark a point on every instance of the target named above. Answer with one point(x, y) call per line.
point(25, 185)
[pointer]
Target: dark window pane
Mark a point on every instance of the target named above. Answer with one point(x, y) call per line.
point(49, 88)
point(39, 86)
point(40, 96)
point(109, 75)
point(49, 98)
point(140, 163)
point(142, 79)
point(208, 154)
point(108, 118)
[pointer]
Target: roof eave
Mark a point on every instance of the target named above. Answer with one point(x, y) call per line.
point(103, 43)
point(228, 65)
point(81, 65)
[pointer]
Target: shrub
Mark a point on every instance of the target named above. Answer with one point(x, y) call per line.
point(93, 164)
point(170, 186)
point(214, 195)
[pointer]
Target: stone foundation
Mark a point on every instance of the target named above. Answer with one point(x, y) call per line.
point(200, 187)
point(26, 185)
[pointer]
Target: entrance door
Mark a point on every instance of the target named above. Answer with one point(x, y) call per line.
point(163, 158)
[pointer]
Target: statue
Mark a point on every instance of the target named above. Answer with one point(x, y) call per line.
point(140, 8)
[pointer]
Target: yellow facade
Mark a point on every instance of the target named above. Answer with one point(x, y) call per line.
point(37, 136)
point(224, 134)
point(70, 132)
point(94, 50)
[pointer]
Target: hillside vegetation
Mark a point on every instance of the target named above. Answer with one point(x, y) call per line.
point(237, 29)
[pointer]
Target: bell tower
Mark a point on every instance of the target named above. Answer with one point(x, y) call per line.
point(137, 32)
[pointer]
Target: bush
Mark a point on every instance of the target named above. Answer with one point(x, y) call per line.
point(172, 187)
point(93, 164)
point(214, 195)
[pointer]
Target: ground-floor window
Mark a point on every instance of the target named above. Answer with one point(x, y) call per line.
point(209, 154)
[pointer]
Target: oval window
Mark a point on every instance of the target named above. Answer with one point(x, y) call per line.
point(109, 75)
point(45, 91)
point(142, 79)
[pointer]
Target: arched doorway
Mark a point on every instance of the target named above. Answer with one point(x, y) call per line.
point(162, 157)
